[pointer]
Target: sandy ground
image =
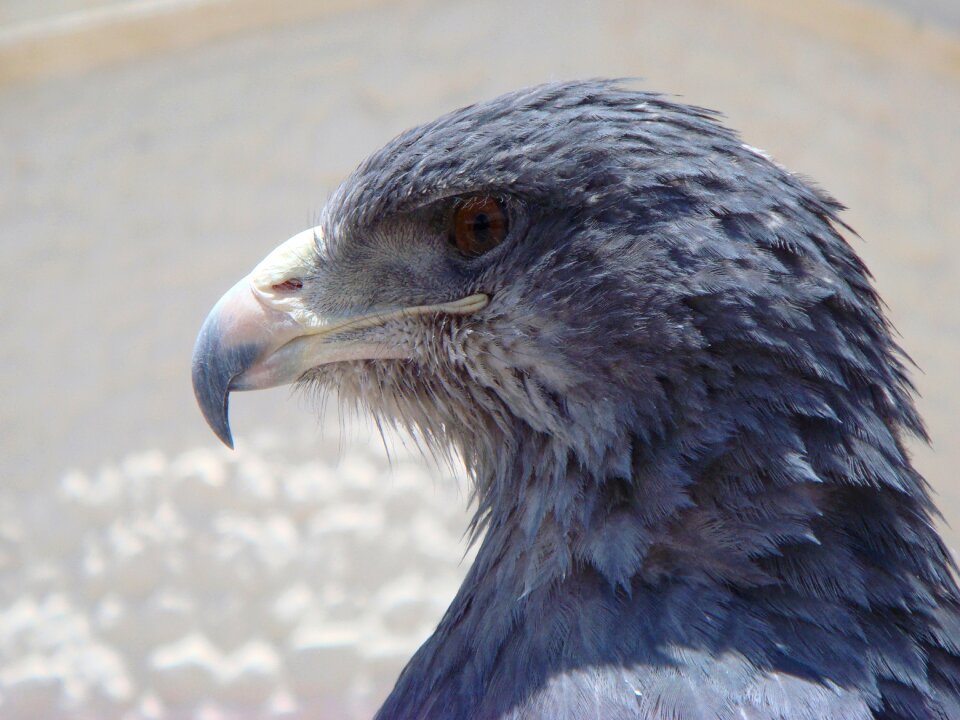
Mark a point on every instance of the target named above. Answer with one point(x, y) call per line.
point(144, 572)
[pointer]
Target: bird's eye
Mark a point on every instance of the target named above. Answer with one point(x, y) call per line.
point(479, 224)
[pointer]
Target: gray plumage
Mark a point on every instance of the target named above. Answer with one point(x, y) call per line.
point(683, 414)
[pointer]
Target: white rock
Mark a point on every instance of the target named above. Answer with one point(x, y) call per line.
point(57, 623)
point(97, 673)
point(199, 481)
point(307, 487)
point(382, 668)
point(408, 616)
point(283, 706)
point(279, 542)
point(321, 661)
point(203, 465)
point(98, 498)
point(252, 674)
point(434, 542)
point(135, 565)
point(114, 622)
point(32, 688)
point(233, 617)
point(166, 615)
point(186, 671)
point(295, 603)
point(360, 476)
point(352, 521)
point(253, 484)
point(150, 707)
point(16, 621)
point(151, 465)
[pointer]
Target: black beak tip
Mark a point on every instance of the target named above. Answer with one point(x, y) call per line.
point(216, 362)
point(211, 387)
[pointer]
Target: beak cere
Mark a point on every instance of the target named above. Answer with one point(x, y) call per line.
point(261, 334)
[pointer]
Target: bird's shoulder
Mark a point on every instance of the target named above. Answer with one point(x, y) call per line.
point(702, 689)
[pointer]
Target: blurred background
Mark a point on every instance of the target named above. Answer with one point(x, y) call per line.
point(152, 151)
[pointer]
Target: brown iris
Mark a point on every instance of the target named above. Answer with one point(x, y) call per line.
point(479, 224)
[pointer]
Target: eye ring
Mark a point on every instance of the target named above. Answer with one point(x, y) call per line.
point(478, 224)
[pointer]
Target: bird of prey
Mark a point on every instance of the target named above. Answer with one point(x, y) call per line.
point(673, 387)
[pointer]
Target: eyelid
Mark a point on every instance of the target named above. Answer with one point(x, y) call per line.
point(444, 201)
point(450, 205)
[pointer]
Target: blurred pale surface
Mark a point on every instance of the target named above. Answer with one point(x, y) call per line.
point(268, 582)
point(144, 572)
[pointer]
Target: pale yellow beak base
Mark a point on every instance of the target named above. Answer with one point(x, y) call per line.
point(260, 334)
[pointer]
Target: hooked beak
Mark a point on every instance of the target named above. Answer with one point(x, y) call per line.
point(261, 333)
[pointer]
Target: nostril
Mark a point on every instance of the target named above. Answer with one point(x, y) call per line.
point(291, 285)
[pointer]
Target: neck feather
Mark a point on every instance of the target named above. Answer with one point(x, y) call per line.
point(721, 549)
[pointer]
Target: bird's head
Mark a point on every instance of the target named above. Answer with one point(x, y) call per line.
point(577, 261)
point(670, 379)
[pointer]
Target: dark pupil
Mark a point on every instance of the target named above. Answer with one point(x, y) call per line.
point(481, 228)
